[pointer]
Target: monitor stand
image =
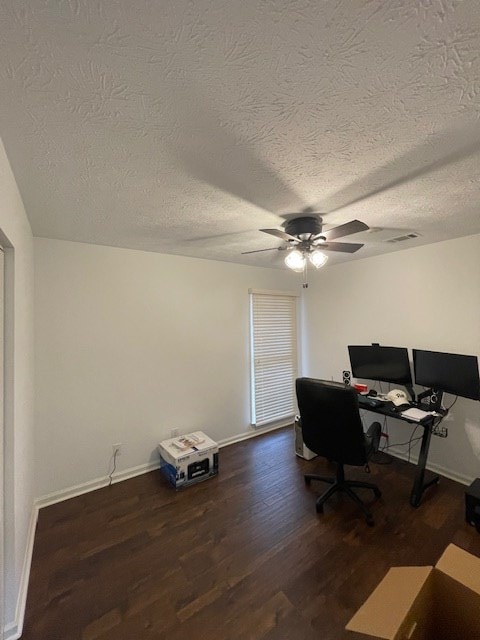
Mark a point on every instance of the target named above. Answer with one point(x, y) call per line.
point(410, 390)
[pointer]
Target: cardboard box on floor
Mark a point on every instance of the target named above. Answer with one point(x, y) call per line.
point(188, 459)
point(424, 603)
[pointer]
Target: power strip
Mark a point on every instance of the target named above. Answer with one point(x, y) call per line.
point(441, 432)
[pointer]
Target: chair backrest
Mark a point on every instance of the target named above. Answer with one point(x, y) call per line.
point(331, 423)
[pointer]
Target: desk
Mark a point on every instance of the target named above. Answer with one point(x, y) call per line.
point(419, 484)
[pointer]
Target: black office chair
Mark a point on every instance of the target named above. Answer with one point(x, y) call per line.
point(332, 428)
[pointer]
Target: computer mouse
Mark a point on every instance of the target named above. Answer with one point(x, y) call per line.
point(372, 393)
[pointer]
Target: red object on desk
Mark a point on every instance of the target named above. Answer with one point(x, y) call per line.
point(360, 387)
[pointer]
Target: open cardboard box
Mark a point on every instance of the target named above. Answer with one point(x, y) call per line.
point(425, 603)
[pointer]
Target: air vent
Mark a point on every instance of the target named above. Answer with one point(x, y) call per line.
point(380, 234)
point(408, 236)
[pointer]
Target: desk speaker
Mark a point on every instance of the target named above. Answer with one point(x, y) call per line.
point(472, 504)
point(347, 378)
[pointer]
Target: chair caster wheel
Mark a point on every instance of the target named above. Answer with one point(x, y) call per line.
point(370, 521)
point(319, 508)
point(307, 481)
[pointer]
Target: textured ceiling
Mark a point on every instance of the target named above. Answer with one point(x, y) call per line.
point(185, 126)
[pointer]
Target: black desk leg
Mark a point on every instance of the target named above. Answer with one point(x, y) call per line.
point(419, 485)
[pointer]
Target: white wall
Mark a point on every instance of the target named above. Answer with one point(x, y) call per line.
point(424, 298)
point(16, 235)
point(130, 345)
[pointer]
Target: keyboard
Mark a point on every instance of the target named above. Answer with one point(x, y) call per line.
point(368, 401)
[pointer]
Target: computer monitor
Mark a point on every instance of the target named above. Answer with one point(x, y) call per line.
point(386, 364)
point(449, 372)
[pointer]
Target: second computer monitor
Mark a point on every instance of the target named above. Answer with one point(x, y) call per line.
point(375, 362)
point(450, 372)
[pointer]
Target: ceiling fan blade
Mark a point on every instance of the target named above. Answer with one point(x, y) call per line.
point(346, 247)
point(259, 250)
point(278, 233)
point(355, 226)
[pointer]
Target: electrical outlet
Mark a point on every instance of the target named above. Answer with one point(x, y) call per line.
point(117, 449)
point(174, 433)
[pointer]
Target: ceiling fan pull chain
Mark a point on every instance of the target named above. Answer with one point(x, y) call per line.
point(305, 267)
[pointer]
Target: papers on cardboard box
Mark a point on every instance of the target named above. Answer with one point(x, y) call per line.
point(188, 442)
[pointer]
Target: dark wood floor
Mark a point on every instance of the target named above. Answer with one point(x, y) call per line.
point(239, 556)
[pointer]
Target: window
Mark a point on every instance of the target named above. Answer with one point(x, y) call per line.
point(273, 344)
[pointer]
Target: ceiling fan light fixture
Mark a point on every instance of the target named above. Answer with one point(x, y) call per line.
point(317, 258)
point(295, 260)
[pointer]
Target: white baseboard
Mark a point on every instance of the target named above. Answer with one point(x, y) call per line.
point(251, 434)
point(98, 483)
point(92, 485)
point(435, 468)
point(13, 630)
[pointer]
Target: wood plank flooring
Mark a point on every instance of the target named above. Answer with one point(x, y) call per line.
point(240, 556)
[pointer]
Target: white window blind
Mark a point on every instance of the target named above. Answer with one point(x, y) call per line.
point(273, 335)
